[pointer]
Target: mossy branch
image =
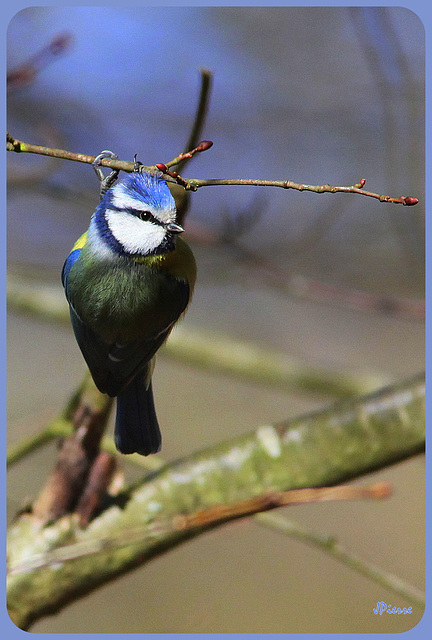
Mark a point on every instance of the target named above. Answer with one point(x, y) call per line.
point(323, 448)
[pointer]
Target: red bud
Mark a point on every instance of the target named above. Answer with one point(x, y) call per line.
point(204, 145)
point(410, 201)
point(162, 167)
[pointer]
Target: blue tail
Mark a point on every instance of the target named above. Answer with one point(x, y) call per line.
point(136, 427)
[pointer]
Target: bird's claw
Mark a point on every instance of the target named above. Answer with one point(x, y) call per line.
point(137, 164)
point(106, 182)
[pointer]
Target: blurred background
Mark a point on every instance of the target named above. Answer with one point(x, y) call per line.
point(315, 95)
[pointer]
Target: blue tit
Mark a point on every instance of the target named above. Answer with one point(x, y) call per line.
point(128, 279)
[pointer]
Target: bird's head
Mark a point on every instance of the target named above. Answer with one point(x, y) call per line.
point(137, 216)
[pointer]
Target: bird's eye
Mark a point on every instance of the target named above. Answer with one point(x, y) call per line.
point(145, 215)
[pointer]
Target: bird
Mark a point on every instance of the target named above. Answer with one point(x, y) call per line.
point(128, 279)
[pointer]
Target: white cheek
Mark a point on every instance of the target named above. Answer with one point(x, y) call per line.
point(135, 235)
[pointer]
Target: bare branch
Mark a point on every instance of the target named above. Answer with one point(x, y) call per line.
point(194, 184)
point(226, 512)
point(12, 144)
point(202, 146)
point(27, 72)
point(331, 546)
point(200, 116)
point(78, 459)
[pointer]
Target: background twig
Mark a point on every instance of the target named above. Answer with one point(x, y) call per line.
point(331, 546)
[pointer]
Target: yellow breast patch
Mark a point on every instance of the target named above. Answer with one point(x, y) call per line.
point(80, 242)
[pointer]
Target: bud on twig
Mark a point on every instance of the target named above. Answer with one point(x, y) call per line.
point(409, 201)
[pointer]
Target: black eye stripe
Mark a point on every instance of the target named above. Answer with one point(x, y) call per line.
point(139, 213)
point(143, 215)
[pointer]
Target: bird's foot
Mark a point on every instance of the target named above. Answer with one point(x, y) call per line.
point(106, 182)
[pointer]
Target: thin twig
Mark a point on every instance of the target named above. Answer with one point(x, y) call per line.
point(12, 144)
point(57, 429)
point(182, 157)
point(27, 72)
point(18, 146)
point(331, 546)
point(227, 512)
point(194, 184)
point(200, 116)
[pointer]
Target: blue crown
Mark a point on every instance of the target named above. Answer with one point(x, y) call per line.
point(150, 188)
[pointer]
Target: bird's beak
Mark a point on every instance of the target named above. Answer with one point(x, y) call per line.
point(173, 227)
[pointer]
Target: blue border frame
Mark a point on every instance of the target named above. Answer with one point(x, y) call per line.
point(424, 12)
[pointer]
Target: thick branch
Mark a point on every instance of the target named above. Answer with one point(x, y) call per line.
point(79, 458)
point(323, 448)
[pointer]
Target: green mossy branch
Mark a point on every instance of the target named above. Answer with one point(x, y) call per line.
point(53, 565)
